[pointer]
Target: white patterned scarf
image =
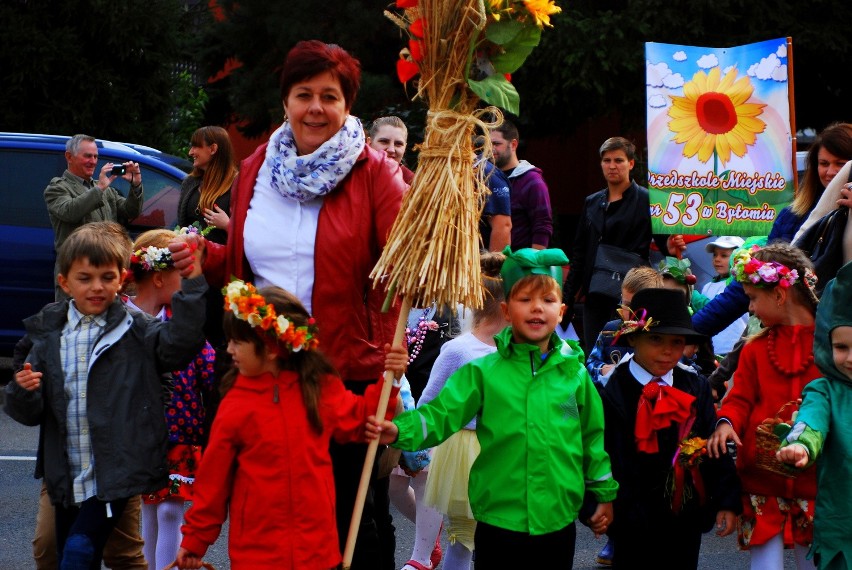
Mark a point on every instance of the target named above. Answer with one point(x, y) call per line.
point(303, 178)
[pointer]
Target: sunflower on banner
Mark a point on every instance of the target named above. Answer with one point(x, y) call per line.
point(720, 134)
point(715, 118)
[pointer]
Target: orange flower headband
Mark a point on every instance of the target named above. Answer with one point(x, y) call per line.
point(248, 305)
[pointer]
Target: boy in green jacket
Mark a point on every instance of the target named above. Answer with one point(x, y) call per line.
point(539, 424)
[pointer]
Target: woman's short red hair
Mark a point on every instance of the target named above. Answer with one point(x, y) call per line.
point(311, 57)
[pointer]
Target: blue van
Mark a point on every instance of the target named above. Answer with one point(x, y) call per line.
point(28, 162)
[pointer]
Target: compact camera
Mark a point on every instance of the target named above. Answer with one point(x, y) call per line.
point(118, 170)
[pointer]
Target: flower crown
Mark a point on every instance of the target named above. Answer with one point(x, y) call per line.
point(248, 305)
point(152, 258)
point(766, 273)
point(632, 322)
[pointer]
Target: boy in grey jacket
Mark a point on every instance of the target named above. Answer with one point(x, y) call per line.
point(92, 382)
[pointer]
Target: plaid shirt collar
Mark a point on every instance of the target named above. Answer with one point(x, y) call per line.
point(75, 317)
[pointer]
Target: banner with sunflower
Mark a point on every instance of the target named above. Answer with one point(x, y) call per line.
point(720, 137)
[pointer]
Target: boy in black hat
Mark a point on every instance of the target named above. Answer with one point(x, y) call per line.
point(658, 414)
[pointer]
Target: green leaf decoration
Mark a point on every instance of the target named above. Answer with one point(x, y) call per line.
point(517, 50)
point(498, 91)
point(503, 31)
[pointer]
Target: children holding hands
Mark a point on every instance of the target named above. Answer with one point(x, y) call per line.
point(92, 382)
point(267, 466)
point(658, 415)
point(774, 368)
point(539, 425)
point(153, 280)
point(821, 432)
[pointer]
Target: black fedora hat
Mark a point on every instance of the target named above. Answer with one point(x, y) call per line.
point(659, 311)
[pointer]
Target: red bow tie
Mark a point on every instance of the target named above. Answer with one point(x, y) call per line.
point(672, 405)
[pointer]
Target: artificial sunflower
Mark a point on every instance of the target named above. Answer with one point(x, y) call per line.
point(542, 10)
point(714, 116)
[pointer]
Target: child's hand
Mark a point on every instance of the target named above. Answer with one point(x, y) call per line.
point(726, 523)
point(217, 217)
point(717, 444)
point(27, 379)
point(676, 245)
point(188, 252)
point(186, 559)
point(386, 431)
point(396, 360)
point(794, 454)
point(601, 519)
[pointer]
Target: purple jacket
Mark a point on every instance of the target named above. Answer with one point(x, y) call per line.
point(532, 218)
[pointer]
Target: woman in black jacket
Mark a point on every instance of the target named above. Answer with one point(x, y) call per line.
point(618, 215)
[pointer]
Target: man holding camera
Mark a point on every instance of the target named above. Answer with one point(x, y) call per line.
point(76, 198)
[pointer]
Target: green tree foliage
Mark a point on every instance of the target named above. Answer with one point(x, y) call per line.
point(190, 101)
point(592, 62)
point(258, 34)
point(100, 67)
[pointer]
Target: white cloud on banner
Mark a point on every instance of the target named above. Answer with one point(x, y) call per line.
point(708, 61)
point(769, 68)
point(655, 73)
point(660, 75)
point(657, 101)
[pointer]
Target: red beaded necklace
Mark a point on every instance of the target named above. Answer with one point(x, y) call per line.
point(773, 358)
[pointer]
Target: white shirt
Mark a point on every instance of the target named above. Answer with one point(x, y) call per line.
point(279, 239)
point(643, 376)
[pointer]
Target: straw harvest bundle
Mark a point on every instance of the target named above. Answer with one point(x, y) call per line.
point(432, 255)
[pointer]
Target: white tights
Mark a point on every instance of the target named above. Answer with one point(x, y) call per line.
point(770, 556)
point(161, 532)
point(427, 520)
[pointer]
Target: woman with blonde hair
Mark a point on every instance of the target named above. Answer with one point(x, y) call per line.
point(205, 195)
point(205, 201)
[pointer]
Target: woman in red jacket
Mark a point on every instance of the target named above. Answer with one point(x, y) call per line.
point(311, 210)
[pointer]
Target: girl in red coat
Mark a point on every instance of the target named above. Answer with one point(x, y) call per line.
point(774, 367)
point(267, 465)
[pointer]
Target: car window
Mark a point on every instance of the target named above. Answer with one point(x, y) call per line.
point(162, 192)
point(26, 174)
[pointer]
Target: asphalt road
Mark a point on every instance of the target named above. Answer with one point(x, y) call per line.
point(19, 498)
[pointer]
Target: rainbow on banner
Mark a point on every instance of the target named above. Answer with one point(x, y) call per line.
point(720, 154)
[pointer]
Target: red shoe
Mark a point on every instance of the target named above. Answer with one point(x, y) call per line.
point(417, 566)
point(437, 552)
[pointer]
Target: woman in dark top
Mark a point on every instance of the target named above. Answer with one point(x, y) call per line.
point(205, 200)
point(205, 195)
point(831, 149)
point(618, 215)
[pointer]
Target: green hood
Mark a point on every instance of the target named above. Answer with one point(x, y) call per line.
point(835, 310)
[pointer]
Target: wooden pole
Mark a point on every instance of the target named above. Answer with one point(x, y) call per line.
point(367, 470)
point(791, 99)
